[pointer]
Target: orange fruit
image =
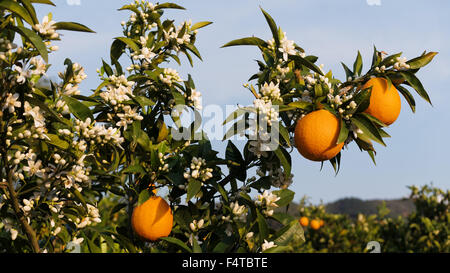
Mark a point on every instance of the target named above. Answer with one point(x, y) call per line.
point(315, 224)
point(304, 221)
point(322, 223)
point(385, 103)
point(316, 135)
point(153, 219)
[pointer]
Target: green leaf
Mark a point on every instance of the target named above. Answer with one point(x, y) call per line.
point(262, 183)
point(302, 61)
point(177, 242)
point(291, 232)
point(168, 6)
point(193, 188)
point(236, 162)
point(301, 105)
point(237, 113)
point(273, 27)
point(200, 25)
point(253, 41)
point(376, 58)
point(194, 50)
point(357, 66)
point(107, 68)
point(278, 249)
point(368, 128)
point(422, 60)
point(47, 2)
point(362, 100)
point(35, 39)
point(285, 159)
point(72, 26)
point(416, 84)
point(343, 133)
point(117, 49)
point(262, 226)
point(196, 247)
point(56, 141)
point(129, 42)
point(29, 7)
point(286, 197)
point(17, 9)
point(348, 72)
point(408, 97)
point(78, 109)
point(143, 197)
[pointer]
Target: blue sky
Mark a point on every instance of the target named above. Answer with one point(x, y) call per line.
point(418, 151)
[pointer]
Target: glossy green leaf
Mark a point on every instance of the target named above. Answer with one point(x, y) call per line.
point(17, 9)
point(367, 127)
point(408, 97)
point(422, 60)
point(416, 84)
point(35, 39)
point(200, 25)
point(177, 242)
point(252, 41)
point(72, 26)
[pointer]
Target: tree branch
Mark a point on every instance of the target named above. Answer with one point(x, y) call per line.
point(31, 234)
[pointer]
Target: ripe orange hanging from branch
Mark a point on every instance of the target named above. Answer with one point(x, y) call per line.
point(153, 219)
point(304, 221)
point(385, 103)
point(316, 136)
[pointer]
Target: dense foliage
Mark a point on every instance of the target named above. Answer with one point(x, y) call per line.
point(74, 166)
point(426, 229)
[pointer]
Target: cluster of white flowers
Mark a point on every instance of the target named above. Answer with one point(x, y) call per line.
point(271, 91)
point(143, 15)
point(380, 69)
point(162, 160)
point(239, 212)
point(196, 99)
point(287, 47)
point(280, 179)
point(96, 133)
point(144, 54)
point(265, 108)
point(6, 47)
point(12, 101)
point(173, 35)
point(78, 74)
point(259, 147)
point(401, 64)
point(8, 226)
point(198, 170)
point(128, 116)
point(71, 90)
point(282, 71)
point(196, 225)
point(266, 245)
point(47, 28)
point(93, 216)
point(268, 199)
point(35, 113)
point(169, 76)
point(355, 131)
point(117, 95)
point(338, 100)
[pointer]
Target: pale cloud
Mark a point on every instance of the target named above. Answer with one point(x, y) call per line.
point(74, 2)
point(374, 2)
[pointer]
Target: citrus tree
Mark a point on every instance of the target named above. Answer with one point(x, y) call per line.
point(118, 170)
point(426, 229)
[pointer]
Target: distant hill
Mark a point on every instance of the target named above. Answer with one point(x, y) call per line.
point(354, 206)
